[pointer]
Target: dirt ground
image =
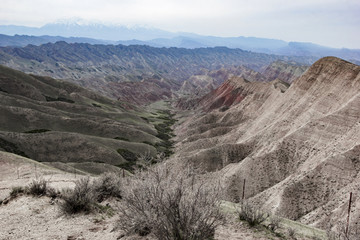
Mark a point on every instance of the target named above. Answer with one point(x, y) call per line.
point(28, 217)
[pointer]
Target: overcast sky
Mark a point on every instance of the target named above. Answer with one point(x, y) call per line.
point(334, 23)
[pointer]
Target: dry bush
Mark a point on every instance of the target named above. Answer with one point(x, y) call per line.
point(16, 191)
point(52, 192)
point(291, 232)
point(275, 223)
point(170, 205)
point(80, 199)
point(38, 187)
point(250, 214)
point(353, 232)
point(106, 186)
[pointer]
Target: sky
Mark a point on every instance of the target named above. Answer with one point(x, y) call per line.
point(333, 23)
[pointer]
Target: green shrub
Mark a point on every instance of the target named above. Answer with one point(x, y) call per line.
point(106, 186)
point(38, 131)
point(165, 133)
point(80, 199)
point(38, 187)
point(122, 138)
point(52, 192)
point(16, 191)
point(96, 105)
point(275, 223)
point(148, 143)
point(145, 119)
point(61, 99)
point(129, 166)
point(291, 232)
point(127, 155)
point(250, 214)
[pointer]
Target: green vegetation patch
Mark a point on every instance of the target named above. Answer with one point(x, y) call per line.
point(42, 130)
point(129, 166)
point(149, 143)
point(127, 155)
point(96, 105)
point(145, 119)
point(122, 138)
point(58, 99)
point(165, 132)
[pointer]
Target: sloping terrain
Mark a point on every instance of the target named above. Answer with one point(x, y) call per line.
point(40, 217)
point(196, 90)
point(297, 148)
point(284, 71)
point(105, 68)
point(55, 121)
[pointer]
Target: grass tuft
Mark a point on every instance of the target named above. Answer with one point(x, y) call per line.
point(38, 187)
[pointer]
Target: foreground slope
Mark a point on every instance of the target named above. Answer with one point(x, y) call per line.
point(55, 121)
point(297, 148)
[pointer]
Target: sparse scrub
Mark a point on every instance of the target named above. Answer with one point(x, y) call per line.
point(60, 99)
point(145, 119)
point(122, 139)
point(96, 105)
point(170, 205)
point(148, 143)
point(291, 232)
point(275, 223)
point(106, 186)
point(250, 214)
point(129, 166)
point(165, 133)
point(315, 238)
point(81, 199)
point(52, 192)
point(127, 155)
point(38, 187)
point(16, 191)
point(340, 233)
point(38, 131)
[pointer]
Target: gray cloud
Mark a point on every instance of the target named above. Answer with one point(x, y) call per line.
point(327, 22)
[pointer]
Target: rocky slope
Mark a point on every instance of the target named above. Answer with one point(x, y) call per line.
point(68, 126)
point(201, 89)
point(297, 148)
point(284, 71)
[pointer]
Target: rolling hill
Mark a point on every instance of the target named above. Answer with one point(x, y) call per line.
point(67, 126)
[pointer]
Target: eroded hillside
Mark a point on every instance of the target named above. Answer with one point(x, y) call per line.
point(297, 147)
point(69, 127)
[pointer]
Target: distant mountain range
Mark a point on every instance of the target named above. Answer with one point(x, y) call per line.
point(113, 70)
point(11, 35)
point(97, 31)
